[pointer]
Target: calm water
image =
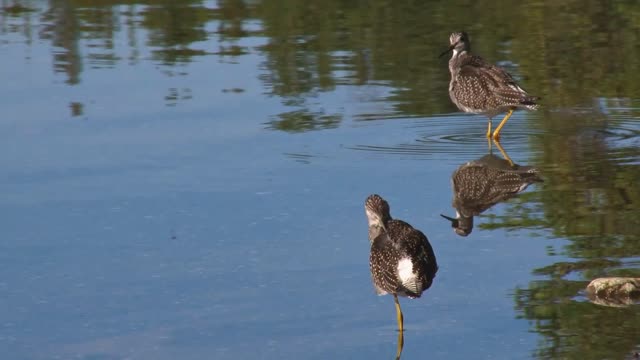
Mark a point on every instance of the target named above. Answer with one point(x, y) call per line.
point(185, 180)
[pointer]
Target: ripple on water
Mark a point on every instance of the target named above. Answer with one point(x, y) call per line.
point(600, 137)
point(623, 140)
point(445, 137)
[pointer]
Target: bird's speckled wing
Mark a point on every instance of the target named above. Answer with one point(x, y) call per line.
point(383, 260)
point(478, 86)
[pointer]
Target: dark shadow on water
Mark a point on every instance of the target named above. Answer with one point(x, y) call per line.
point(480, 184)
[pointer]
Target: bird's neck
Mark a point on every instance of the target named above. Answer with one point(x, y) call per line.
point(456, 58)
point(460, 53)
point(375, 231)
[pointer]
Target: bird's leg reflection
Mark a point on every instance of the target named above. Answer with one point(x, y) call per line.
point(489, 129)
point(398, 313)
point(496, 134)
point(400, 327)
point(504, 153)
point(400, 344)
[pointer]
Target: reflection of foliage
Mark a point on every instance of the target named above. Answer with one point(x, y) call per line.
point(16, 9)
point(399, 44)
point(577, 330)
point(314, 46)
point(232, 15)
point(303, 120)
point(561, 269)
point(63, 30)
point(591, 198)
point(76, 108)
point(523, 212)
point(173, 26)
point(594, 199)
point(181, 54)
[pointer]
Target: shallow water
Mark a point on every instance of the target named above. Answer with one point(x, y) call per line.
point(187, 180)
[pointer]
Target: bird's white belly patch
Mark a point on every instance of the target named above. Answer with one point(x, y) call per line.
point(405, 271)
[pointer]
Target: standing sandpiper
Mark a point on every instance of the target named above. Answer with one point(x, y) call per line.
point(402, 261)
point(481, 88)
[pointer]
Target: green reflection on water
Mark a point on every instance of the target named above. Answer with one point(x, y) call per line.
point(590, 197)
point(302, 120)
point(316, 45)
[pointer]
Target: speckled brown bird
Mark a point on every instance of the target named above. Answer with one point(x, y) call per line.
point(481, 88)
point(402, 261)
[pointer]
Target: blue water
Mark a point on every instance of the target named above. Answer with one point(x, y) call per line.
point(153, 210)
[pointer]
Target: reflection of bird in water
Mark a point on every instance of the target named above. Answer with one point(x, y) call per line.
point(480, 184)
point(402, 261)
point(481, 88)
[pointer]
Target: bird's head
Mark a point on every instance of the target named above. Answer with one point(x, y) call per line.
point(377, 210)
point(462, 225)
point(458, 42)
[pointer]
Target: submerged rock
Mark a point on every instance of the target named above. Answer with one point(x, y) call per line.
point(614, 291)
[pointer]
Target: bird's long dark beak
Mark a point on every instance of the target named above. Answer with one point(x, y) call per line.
point(446, 52)
point(454, 221)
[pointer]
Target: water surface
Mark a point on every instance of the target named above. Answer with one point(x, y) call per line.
point(186, 179)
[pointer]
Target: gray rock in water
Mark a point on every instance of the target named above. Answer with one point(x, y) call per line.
point(614, 291)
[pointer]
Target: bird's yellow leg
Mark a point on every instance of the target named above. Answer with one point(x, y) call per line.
point(504, 153)
point(489, 129)
point(400, 345)
point(398, 313)
point(496, 134)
